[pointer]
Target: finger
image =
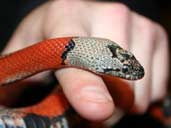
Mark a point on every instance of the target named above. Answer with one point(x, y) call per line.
point(143, 35)
point(87, 93)
point(113, 21)
point(160, 65)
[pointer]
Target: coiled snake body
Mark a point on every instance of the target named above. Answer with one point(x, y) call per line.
point(101, 56)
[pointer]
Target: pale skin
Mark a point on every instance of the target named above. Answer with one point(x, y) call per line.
point(87, 92)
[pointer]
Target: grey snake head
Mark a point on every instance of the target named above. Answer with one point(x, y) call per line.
point(105, 57)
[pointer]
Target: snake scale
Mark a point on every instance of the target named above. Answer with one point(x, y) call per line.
point(97, 55)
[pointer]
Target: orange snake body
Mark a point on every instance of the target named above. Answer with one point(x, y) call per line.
point(42, 56)
point(97, 55)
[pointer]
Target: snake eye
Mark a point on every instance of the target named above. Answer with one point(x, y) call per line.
point(125, 69)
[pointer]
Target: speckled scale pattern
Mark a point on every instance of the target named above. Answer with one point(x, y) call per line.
point(105, 57)
point(41, 56)
point(90, 52)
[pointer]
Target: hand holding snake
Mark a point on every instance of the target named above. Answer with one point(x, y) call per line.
point(139, 35)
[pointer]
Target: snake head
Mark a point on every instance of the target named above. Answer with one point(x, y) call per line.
point(123, 64)
point(105, 57)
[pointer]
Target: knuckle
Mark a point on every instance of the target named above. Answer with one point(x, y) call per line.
point(162, 33)
point(119, 12)
point(121, 9)
point(148, 27)
point(117, 9)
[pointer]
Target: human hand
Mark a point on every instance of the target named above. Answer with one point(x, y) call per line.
point(87, 92)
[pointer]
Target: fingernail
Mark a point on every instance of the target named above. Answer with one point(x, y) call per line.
point(95, 95)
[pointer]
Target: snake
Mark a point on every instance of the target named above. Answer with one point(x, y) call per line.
point(97, 55)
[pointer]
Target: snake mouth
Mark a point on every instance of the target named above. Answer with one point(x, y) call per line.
point(138, 76)
point(109, 70)
point(133, 77)
point(130, 76)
